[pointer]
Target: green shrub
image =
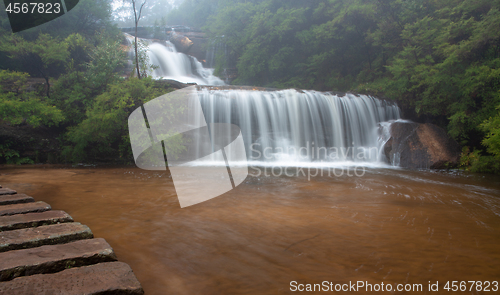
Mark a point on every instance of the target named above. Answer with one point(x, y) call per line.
point(11, 156)
point(18, 106)
point(103, 134)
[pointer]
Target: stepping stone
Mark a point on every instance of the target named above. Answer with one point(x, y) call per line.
point(33, 219)
point(54, 258)
point(43, 235)
point(7, 191)
point(15, 199)
point(102, 278)
point(24, 208)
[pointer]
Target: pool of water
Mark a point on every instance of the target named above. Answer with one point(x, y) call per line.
point(389, 225)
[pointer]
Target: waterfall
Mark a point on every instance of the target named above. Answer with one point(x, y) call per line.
point(217, 49)
point(179, 66)
point(297, 128)
point(176, 65)
point(286, 127)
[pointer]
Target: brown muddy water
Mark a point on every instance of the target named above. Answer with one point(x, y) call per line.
point(390, 226)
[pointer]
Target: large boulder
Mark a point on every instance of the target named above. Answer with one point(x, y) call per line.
point(198, 49)
point(181, 42)
point(416, 146)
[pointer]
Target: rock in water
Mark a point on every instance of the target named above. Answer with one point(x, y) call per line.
point(181, 42)
point(414, 146)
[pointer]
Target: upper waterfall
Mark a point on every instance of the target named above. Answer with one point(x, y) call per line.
point(176, 65)
point(179, 66)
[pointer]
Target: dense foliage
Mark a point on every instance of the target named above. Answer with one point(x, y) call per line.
point(84, 98)
point(103, 133)
point(19, 106)
point(440, 60)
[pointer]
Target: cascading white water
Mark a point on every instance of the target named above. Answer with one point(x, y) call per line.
point(175, 65)
point(179, 66)
point(297, 128)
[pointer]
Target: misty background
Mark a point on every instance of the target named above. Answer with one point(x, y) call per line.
point(155, 12)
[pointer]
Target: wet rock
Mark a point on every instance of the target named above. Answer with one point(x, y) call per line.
point(236, 87)
point(102, 278)
point(198, 49)
point(15, 199)
point(415, 146)
point(181, 42)
point(24, 208)
point(43, 235)
point(19, 221)
point(54, 258)
point(7, 191)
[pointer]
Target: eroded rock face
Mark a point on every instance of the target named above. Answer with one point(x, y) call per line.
point(416, 146)
point(54, 258)
point(23, 208)
point(15, 199)
point(102, 278)
point(35, 219)
point(43, 235)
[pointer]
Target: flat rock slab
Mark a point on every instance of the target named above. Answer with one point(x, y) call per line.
point(54, 258)
point(15, 199)
point(24, 208)
point(43, 235)
point(33, 219)
point(102, 278)
point(7, 191)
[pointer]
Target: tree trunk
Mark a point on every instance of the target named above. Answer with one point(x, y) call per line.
point(137, 18)
point(46, 81)
point(136, 56)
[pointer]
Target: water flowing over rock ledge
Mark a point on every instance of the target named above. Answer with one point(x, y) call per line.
point(291, 126)
point(44, 251)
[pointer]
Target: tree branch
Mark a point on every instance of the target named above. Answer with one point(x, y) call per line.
point(140, 10)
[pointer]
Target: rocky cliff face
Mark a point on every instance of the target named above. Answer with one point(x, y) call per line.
point(416, 146)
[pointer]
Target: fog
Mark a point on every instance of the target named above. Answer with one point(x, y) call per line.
point(153, 11)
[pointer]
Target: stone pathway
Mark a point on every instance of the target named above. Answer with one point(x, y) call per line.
point(46, 252)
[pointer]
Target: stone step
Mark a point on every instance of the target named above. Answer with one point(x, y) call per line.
point(33, 219)
point(24, 208)
point(54, 258)
point(15, 199)
point(7, 191)
point(102, 278)
point(43, 235)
